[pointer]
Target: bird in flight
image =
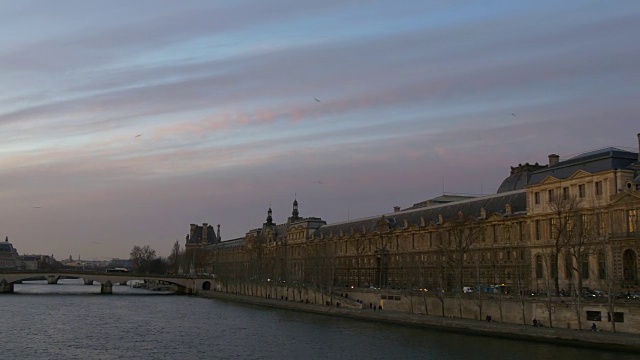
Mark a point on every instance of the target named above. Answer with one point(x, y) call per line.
point(138, 135)
point(512, 114)
point(316, 99)
point(37, 207)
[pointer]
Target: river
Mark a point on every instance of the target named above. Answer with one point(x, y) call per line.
point(74, 321)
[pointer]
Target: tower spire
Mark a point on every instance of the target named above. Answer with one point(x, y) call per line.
point(295, 214)
point(269, 217)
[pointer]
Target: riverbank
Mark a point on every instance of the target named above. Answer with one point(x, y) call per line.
point(580, 338)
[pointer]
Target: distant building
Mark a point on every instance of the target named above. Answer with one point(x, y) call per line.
point(8, 255)
point(200, 236)
point(36, 262)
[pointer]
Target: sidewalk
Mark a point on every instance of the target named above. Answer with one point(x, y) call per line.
point(584, 338)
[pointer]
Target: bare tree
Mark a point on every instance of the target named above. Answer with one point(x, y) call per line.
point(457, 235)
point(175, 257)
point(478, 297)
point(606, 277)
point(580, 246)
point(548, 279)
point(358, 242)
point(563, 209)
point(142, 257)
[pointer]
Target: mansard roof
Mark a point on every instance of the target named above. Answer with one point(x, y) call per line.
point(227, 244)
point(592, 162)
point(471, 207)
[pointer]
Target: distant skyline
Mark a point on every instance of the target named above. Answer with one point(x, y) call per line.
point(124, 122)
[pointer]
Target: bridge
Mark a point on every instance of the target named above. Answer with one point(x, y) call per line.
point(185, 283)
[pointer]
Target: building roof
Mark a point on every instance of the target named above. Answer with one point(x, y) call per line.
point(593, 162)
point(443, 199)
point(470, 207)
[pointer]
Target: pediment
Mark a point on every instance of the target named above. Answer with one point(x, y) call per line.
point(580, 174)
point(550, 180)
point(627, 198)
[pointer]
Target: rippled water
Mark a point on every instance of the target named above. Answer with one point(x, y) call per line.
point(73, 321)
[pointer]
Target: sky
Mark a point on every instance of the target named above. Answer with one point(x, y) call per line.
point(123, 122)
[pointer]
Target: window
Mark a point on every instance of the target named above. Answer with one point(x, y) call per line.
point(585, 269)
point(598, 188)
point(584, 224)
point(568, 266)
point(602, 266)
point(537, 229)
point(631, 220)
point(538, 267)
point(594, 316)
point(581, 190)
point(600, 228)
point(565, 193)
point(552, 195)
point(495, 233)
point(617, 317)
point(554, 266)
point(553, 227)
point(536, 197)
point(521, 231)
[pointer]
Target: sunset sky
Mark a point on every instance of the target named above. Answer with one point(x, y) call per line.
point(415, 98)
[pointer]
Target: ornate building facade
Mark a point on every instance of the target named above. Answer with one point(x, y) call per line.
point(563, 226)
point(8, 255)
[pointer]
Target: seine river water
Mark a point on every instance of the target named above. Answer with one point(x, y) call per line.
point(73, 321)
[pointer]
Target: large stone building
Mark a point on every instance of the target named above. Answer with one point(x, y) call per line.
point(8, 255)
point(566, 225)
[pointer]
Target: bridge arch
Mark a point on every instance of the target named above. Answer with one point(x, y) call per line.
point(206, 285)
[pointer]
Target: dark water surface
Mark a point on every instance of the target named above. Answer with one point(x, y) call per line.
point(73, 321)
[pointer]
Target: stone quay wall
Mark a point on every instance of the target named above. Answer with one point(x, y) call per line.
point(585, 338)
point(559, 313)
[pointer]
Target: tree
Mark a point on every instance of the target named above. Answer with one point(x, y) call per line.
point(175, 258)
point(358, 243)
point(563, 209)
point(580, 245)
point(158, 266)
point(606, 277)
point(457, 235)
point(548, 280)
point(141, 257)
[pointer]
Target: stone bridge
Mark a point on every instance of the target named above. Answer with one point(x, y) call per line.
point(185, 283)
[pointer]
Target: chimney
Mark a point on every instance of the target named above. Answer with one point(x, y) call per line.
point(396, 209)
point(204, 233)
point(553, 159)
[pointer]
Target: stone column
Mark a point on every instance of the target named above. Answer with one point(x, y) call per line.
point(6, 287)
point(106, 288)
point(88, 281)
